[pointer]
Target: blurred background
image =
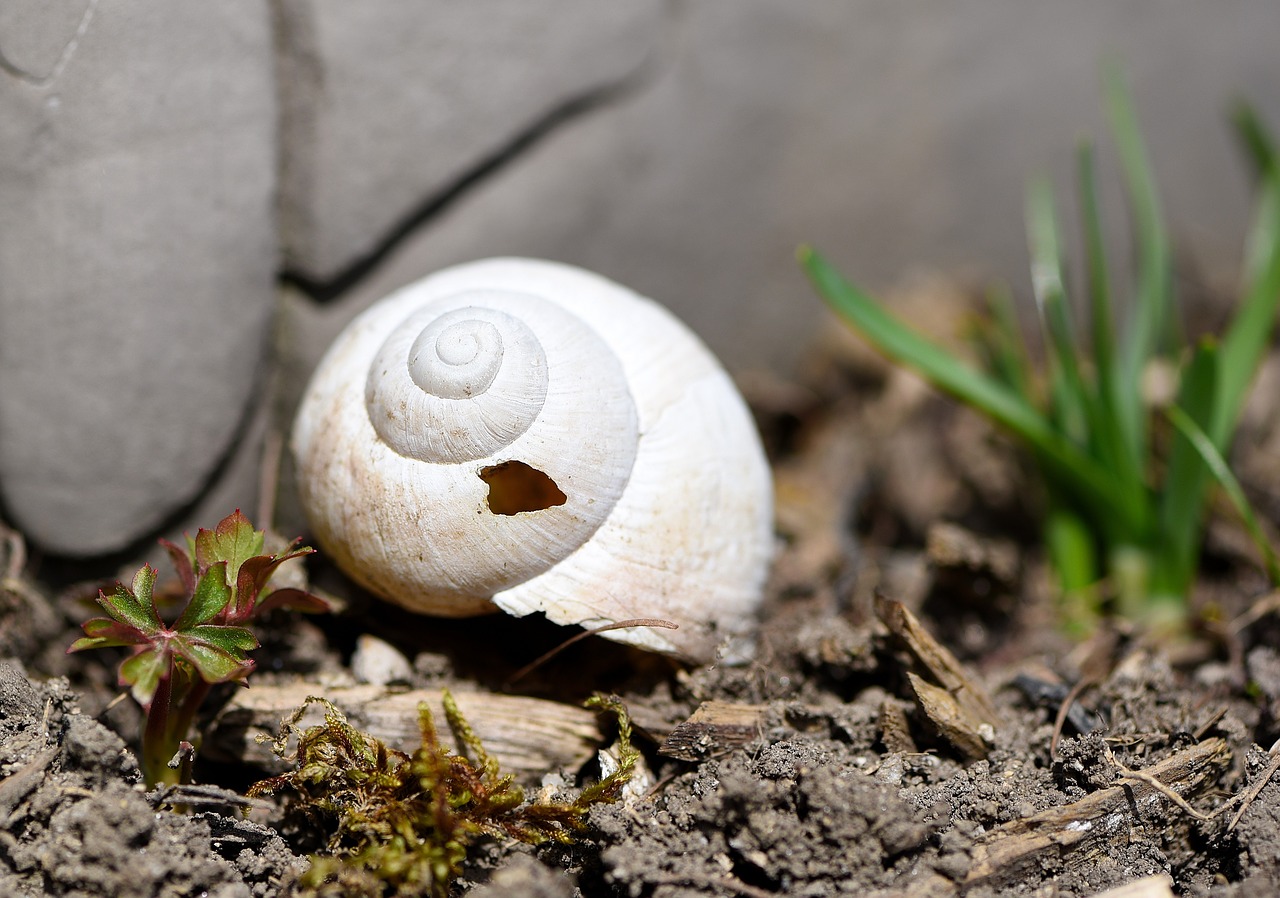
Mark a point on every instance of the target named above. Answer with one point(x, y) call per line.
point(195, 197)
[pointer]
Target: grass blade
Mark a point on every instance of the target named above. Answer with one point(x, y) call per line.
point(1152, 312)
point(1121, 436)
point(999, 341)
point(1100, 311)
point(1221, 471)
point(1255, 138)
point(1067, 389)
point(1087, 414)
point(1066, 462)
point(1071, 545)
point(1187, 477)
point(1249, 335)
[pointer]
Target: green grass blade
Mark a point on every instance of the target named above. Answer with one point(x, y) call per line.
point(1153, 308)
point(999, 340)
point(1071, 546)
point(1221, 471)
point(1087, 414)
point(1120, 444)
point(1008, 409)
point(1186, 477)
point(1101, 314)
point(1070, 397)
point(1246, 340)
point(1255, 138)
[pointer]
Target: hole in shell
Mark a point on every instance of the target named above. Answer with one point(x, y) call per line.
point(515, 487)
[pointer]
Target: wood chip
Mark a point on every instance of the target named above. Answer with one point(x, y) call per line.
point(952, 698)
point(528, 736)
point(895, 732)
point(952, 721)
point(1001, 856)
point(715, 726)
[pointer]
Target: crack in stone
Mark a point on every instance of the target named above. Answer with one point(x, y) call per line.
point(36, 80)
point(434, 205)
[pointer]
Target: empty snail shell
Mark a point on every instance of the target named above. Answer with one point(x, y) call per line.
point(529, 436)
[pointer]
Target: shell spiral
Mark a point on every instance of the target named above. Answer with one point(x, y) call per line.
point(459, 384)
point(530, 436)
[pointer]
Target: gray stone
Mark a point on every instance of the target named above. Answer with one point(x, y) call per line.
point(379, 662)
point(137, 256)
point(895, 137)
point(387, 103)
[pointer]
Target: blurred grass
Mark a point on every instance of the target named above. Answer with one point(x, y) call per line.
point(1127, 482)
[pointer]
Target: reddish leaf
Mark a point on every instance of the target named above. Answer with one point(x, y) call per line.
point(184, 562)
point(294, 600)
point(234, 541)
point(101, 632)
point(253, 577)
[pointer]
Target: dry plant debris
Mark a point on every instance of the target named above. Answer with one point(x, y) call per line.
point(528, 736)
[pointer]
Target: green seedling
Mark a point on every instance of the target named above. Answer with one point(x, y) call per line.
point(224, 574)
point(401, 824)
point(1126, 476)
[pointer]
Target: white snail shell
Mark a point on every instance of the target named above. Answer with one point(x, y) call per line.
point(528, 435)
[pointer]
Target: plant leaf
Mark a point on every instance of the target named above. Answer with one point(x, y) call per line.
point(1154, 294)
point(184, 563)
point(233, 540)
point(1221, 471)
point(214, 663)
point(1067, 390)
point(1186, 478)
point(1060, 459)
point(1246, 340)
point(101, 632)
point(134, 606)
point(1000, 344)
point(1255, 138)
point(294, 600)
point(229, 639)
point(143, 672)
point(253, 577)
point(212, 595)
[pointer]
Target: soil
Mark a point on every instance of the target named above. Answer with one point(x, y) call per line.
point(820, 768)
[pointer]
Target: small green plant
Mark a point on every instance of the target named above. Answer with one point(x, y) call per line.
point(224, 574)
point(1126, 478)
point(400, 824)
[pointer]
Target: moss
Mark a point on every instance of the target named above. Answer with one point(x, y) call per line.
point(401, 824)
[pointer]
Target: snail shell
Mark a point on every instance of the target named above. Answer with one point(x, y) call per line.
point(529, 436)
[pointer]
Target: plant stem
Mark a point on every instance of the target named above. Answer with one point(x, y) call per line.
point(173, 710)
point(156, 743)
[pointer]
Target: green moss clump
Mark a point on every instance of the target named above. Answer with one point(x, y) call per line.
point(401, 824)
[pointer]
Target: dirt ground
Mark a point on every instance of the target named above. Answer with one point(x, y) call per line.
point(824, 767)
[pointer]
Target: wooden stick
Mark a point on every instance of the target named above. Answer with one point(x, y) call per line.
point(528, 736)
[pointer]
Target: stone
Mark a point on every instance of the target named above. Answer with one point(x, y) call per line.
point(387, 105)
point(137, 257)
point(378, 662)
point(894, 137)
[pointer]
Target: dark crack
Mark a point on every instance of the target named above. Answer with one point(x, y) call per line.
point(439, 202)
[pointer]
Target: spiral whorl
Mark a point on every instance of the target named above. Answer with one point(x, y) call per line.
point(457, 356)
point(457, 380)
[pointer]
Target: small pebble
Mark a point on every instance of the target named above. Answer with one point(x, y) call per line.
point(379, 662)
